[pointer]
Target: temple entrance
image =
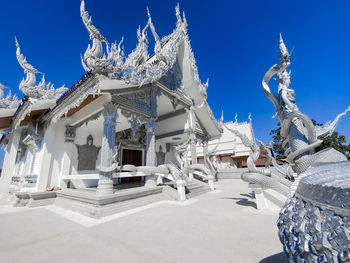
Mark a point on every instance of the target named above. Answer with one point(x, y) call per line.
point(133, 157)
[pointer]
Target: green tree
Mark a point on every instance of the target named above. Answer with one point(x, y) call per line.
point(277, 142)
point(336, 141)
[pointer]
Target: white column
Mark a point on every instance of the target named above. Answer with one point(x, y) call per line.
point(43, 162)
point(29, 160)
point(67, 154)
point(193, 148)
point(105, 182)
point(34, 170)
point(205, 151)
point(9, 162)
point(26, 166)
point(192, 133)
point(151, 158)
point(193, 142)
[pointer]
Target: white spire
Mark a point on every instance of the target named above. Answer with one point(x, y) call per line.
point(222, 117)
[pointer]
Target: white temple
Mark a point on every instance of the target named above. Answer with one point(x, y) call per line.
point(228, 149)
point(126, 115)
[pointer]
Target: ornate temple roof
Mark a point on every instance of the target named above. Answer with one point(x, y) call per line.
point(172, 69)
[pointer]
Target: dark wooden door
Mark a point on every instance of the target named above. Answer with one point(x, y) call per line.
point(133, 157)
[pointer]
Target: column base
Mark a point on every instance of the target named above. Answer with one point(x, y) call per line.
point(105, 185)
point(150, 181)
point(159, 180)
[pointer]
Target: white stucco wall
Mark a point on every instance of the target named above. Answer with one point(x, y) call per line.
point(57, 154)
point(230, 143)
point(95, 128)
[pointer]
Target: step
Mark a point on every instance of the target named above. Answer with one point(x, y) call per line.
point(89, 204)
point(34, 199)
point(195, 188)
point(275, 198)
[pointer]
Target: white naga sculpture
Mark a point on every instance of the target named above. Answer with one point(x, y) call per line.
point(94, 58)
point(314, 222)
point(28, 85)
point(262, 176)
point(207, 171)
point(300, 134)
point(8, 102)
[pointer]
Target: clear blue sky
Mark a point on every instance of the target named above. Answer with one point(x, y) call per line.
point(234, 42)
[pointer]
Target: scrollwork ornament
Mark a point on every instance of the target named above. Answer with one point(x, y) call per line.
point(8, 102)
point(28, 85)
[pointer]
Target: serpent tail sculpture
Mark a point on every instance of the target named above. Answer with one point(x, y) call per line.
point(299, 133)
point(314, 221)
point(260, 176)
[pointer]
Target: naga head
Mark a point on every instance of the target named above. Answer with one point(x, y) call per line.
point(94, 33)
point(27, 68)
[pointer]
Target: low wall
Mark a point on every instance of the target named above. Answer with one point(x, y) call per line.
point(231, 173)
point(234, 173)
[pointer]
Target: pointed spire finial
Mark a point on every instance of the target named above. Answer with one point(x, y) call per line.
point(236, 119)
point(153, 30)
point(222, 117)
point(250, 117)
point(177, 13)
point(184, 18)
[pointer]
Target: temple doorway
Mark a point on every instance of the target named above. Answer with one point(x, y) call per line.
point(133, 157)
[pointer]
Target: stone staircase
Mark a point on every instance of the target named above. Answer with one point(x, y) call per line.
point(193, 188)
point(274, 199)
point(267, 198)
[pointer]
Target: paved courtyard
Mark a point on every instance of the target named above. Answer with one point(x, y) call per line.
point(222, 226)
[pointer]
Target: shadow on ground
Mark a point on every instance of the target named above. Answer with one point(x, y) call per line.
point(276, 258)
point(243, 200)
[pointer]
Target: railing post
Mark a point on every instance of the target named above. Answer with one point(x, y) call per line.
point(180, 184)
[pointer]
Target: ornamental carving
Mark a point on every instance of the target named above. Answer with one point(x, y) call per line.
point(135, 120)
point(28, 86)
point(69, 134)
point(142, 99)
point(129, 138)
point(8, 102)
point(138, 67)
